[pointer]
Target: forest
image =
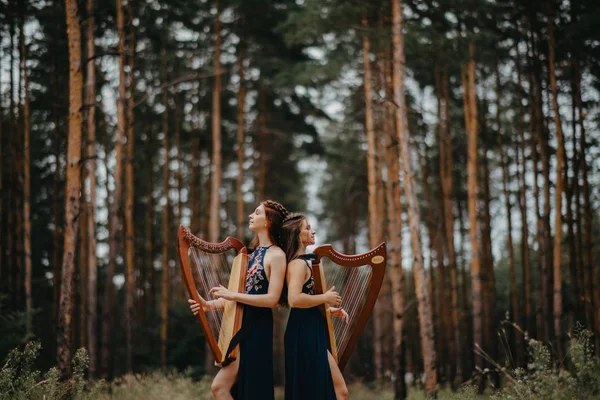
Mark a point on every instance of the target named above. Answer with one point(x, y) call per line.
point(463, 133)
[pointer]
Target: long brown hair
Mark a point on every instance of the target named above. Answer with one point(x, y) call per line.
point(275, 213)
point(290, 243)
point(290, 235)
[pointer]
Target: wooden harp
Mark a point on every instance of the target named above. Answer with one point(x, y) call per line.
point(205, 265)
point(358, 279)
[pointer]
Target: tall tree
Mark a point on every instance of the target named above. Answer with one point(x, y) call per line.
point(165, 282)
point(514, 305)
point(26, 174)
point(469, 95)
point(372, 177)
point(109, 301)
point(92, 262)
point(130, 195)
point(73, 185)
point(216, 164)
point(560, 184)
point(414, 214)
point(240, 139)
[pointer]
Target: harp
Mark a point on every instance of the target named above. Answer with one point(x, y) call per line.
point(205, 265)
point(358, 279)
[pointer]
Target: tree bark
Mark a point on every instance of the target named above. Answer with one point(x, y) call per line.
point(414, 214)
point(468, 83)
point(92, 262)
point(559, 189)
point(130, 196)
point(109, 296)
point(240, 215)
point(525, 260)
point(216, 168)
point(26, 180)
point(514, 305)
point(165, 282)
point(73, 184)
point(372, 180)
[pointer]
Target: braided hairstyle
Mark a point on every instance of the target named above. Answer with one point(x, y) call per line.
point(275, 213)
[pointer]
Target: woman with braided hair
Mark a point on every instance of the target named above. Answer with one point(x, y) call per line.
point(250, 376)
point(310, 370)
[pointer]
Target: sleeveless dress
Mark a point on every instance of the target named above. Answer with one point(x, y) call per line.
point(255, 374)
point(307, 372)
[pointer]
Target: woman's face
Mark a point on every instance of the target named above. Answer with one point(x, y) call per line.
point(258, 219)
point(307, 234)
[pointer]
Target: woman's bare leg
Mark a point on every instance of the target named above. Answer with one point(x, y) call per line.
point(339, 384)
point(224, 380)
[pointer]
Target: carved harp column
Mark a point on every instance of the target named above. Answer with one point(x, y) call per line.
point(358, 279)
point(205, 265)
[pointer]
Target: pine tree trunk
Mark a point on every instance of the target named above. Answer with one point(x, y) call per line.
point(83, 256)
point(446, 168)
point(151, 291)
point(592, 297)
point(72, 192)
point(109, 301)
point(240, 215)
point(414, 214)
point(56, 219)
point(165, 282)
point(262, 140)
point(514, 305)
point(130, 196)
point(560, 165)
point(525, 260)
point(215, 199)
point(26, 180)
point(468, 83)
point(394, 214)
point(372, 182)
point(92, 263)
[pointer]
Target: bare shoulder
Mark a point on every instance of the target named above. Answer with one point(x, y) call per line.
point(275, 254)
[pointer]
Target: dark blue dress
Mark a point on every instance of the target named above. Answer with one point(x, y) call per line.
point(307, 372)
point(255, 375)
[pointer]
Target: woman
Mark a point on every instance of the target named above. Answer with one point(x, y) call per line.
point(310, 370)
point(252, 371)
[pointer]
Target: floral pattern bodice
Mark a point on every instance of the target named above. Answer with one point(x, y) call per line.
point(256, 279)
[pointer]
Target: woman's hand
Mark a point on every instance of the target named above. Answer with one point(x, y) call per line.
point(195, 307)
point(221, 292)
point(340, 313)
point(332, 297)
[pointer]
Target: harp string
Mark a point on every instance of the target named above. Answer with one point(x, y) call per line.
point(210, 270)
point(352, 284)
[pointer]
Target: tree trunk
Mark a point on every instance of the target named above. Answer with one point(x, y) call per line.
point(109, 296)
point(130, 196)
point(560, 165)
point(72, 192)
point(514, 305)
point(525, 260)
point(215, 199)
point(262, 140)
point(165, 282)
point(414, 214)
point(240, 215)
point(446, 170)
point(26, 180)
point(56, 207)
point(92, 283)
point(151, 291)
point(394, 213)
point(468, 83)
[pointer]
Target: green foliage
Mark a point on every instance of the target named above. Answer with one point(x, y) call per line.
point(542, 380)
point(20, 380)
